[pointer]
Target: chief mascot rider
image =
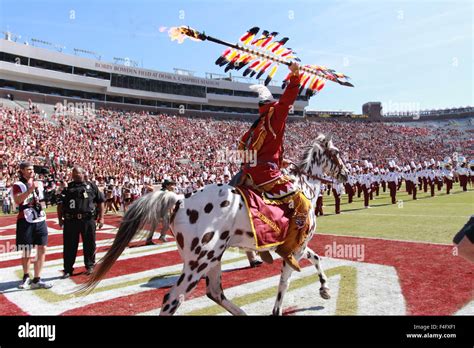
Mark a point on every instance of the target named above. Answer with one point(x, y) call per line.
point(265, 137)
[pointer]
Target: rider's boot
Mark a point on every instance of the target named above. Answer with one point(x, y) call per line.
point(297, 230)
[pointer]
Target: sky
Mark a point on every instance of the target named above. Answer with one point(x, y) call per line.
point(409, 55)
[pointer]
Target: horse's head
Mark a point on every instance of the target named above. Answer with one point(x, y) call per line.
point(323, 158)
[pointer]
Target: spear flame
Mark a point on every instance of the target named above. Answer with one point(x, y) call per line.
point(182, 33)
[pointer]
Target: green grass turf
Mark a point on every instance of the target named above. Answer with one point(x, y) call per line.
point(429, 219)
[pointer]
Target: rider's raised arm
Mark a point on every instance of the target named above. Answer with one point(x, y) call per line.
point(287, 98)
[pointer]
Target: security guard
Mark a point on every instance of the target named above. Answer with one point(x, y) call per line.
point(81, 203)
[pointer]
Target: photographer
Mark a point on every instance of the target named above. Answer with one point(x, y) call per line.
point(31, 229)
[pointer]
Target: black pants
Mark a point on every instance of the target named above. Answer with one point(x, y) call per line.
point(350, 192)
point(366, 195)
point(337, 200)
point(463, 180)
point(72, 229)
point(432, 188)
point(392, 186)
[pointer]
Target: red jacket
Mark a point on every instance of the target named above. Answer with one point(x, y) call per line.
point(267, 137)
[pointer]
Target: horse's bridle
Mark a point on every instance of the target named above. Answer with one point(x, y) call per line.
point(333, 156)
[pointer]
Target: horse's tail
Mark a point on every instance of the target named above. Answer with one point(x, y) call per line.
point(148, 209)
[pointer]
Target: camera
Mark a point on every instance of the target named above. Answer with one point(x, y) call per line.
point(41, 170)
point(37, 207)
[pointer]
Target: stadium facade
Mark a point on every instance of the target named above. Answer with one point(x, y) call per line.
point(47, 76)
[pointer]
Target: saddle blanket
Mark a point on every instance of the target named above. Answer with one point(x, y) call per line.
point(269, 219)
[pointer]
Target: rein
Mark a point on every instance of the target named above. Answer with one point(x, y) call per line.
point(297, 171)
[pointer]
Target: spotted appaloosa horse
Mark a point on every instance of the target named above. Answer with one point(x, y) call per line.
point(208, 222)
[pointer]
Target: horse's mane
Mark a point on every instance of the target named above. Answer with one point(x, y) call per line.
point(306, 158)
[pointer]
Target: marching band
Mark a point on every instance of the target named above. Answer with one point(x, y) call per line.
point(430, 176)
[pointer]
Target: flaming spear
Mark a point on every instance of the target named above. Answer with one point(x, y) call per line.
point(258, 54)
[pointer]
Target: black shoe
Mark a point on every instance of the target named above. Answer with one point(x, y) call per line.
point(67, 274)
point(255, 263)
point(150, 242)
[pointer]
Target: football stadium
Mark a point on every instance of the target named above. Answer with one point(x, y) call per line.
point(230, 177)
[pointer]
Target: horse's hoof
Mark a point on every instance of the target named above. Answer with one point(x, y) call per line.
point(324, 293)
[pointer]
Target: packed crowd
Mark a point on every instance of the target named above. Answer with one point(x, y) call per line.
point(118, 147)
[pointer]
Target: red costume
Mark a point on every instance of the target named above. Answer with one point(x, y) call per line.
point(266, 138)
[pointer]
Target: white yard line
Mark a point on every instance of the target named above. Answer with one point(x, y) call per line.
point(468, 309)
